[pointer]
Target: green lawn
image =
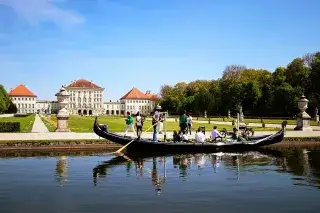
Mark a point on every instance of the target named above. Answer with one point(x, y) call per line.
point(256, 120)
point(50, 125)
point(26, 123)
point(117, 124)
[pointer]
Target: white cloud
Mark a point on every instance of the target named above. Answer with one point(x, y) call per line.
point(35, 11)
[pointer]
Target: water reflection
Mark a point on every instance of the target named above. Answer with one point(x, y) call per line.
point(183, 163)
point(62, 170)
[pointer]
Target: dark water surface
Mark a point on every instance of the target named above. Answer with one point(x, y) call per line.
point(221, 182)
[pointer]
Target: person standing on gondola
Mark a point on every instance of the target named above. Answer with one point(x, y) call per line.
point(155, 123)
point(139, 124)
point(183, 121)
point(189, 122)
point(129, 123)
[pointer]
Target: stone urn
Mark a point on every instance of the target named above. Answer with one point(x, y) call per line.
point(303, 118)
point(63, 114)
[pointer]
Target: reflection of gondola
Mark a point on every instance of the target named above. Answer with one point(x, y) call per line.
point(182, 160)
point(146, 145)
point(101, 170)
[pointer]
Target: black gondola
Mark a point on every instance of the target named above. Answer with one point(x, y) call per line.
point(171, 147)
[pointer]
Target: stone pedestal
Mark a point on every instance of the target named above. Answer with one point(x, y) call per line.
point(62, 121)
point(229, 114)
point(303, 118)
point(63, 114)
point(205, 114)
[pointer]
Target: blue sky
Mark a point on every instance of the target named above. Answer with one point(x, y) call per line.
point(120, 44)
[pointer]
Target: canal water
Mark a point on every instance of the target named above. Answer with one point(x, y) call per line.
point(217, 182)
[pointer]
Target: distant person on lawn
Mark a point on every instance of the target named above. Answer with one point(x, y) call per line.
point(183, 120)
point(129, 123)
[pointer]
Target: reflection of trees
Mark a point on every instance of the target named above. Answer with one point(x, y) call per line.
point(62, 170)
point(301, 163)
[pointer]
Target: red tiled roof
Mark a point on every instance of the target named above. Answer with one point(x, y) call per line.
point(21, 90)
point(82, 83)
point(134, 93)
point(152, 97)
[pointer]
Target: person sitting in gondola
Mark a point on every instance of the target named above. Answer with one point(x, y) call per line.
point(215, 134)
point(235, 135)
point(199, 137)
point(176, 137)
point(103, 127)
point(184, 136)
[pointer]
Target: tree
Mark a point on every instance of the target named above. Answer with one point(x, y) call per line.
point(259, 91)
point(232, 71)
point(297, 74)
point(308, 58)
point(5, 101)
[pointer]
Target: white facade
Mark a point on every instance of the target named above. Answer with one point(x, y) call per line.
point(43, 107)
point(86, 101)
point(113, 108)
point(24, 104)
point(144, 106)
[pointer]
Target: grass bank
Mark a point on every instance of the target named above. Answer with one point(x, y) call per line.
point(117, 124)
point(26, 123)
point(251, 120)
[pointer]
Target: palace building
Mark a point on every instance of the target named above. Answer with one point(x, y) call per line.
point(24, 99)
point(135, 101)
point(86, 98)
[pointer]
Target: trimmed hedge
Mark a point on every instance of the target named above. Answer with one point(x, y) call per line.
point(9, 126)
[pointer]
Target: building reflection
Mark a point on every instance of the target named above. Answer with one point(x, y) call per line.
point(62, 170)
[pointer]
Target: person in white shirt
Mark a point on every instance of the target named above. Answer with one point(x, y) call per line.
point(199, 137)
point(184, 136)
point(215, 134)
point(189, 122)
point(139, 124)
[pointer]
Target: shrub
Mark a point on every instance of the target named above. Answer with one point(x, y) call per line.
point(9, 126)
point(233, 122)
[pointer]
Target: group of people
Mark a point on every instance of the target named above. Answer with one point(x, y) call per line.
point(157, 124)
point(185, 123)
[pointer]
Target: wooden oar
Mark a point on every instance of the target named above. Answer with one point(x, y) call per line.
point(125, 146)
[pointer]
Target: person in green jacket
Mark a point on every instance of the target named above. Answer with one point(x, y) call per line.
point(183, 119)
point(129, 123)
